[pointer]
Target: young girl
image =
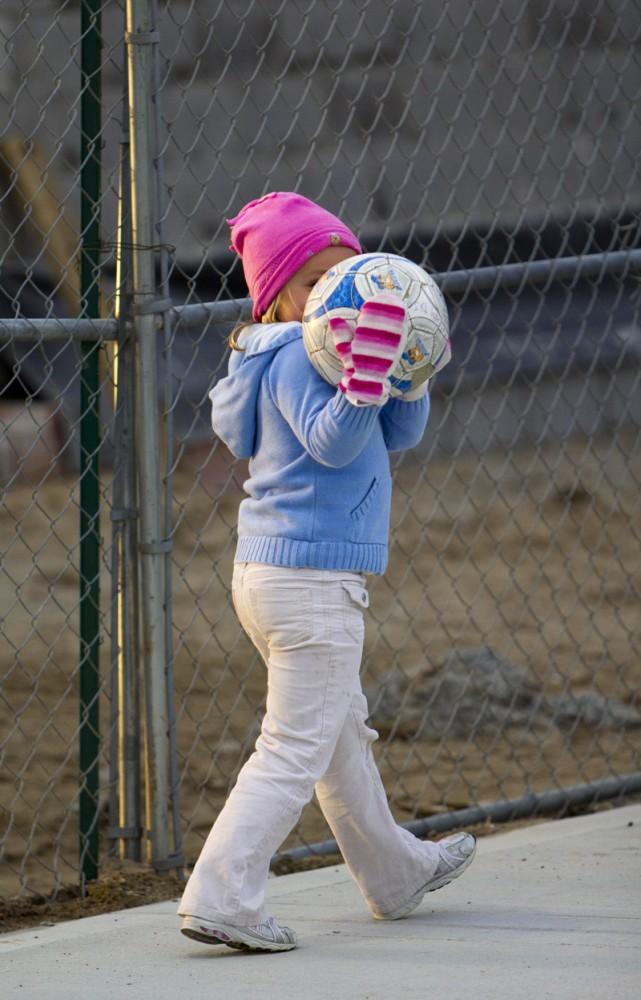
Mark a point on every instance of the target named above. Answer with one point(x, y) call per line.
point(314, 523)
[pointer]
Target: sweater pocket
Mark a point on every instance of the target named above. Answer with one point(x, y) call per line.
point(360, 522)
point(361, 510)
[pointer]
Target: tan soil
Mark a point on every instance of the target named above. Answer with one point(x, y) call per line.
point(536, 555)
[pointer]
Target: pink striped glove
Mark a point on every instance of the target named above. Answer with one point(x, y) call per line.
point(370, 351)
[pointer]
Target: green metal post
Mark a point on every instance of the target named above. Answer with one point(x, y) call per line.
point(90, 139)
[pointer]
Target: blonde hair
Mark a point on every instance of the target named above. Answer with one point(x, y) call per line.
point(270, 316)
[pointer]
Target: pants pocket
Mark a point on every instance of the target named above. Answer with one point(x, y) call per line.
point(357, 593)
point(355, 600)
point(283, 615)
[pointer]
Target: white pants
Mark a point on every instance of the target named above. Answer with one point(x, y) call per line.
point(308, 626)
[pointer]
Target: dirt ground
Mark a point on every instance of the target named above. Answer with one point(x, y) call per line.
point(535, 554)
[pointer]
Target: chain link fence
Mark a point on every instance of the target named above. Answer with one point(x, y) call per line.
point(496, 144)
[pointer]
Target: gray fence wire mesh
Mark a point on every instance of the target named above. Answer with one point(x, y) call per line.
point(502, 649)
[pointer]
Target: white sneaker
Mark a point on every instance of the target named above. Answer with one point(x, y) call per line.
point(268, 936)
point(456, 854)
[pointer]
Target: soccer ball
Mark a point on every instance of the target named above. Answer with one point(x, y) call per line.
point(343, 289)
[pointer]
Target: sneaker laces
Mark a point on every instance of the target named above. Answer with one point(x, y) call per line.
point(450, 853)
point(273, 931)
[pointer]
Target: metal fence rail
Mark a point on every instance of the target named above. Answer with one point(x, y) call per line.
point(452, 282)
point(498, 145)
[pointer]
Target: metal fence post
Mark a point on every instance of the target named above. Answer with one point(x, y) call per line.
point(125, 827)
point(140, 36)
point(177, 858)
point(89, 443)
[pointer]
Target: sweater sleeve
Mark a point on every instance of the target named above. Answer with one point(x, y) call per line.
point(404, 422)
point(331, 429)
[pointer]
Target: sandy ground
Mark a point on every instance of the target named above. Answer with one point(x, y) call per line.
point(536, 555)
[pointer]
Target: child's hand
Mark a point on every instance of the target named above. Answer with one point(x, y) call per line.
point(370, 351)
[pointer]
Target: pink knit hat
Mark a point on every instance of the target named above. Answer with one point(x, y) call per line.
point(275, 235)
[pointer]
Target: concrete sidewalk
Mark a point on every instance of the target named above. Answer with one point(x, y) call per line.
point(551, 910)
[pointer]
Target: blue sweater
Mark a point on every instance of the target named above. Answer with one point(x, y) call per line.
point(319, 487)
